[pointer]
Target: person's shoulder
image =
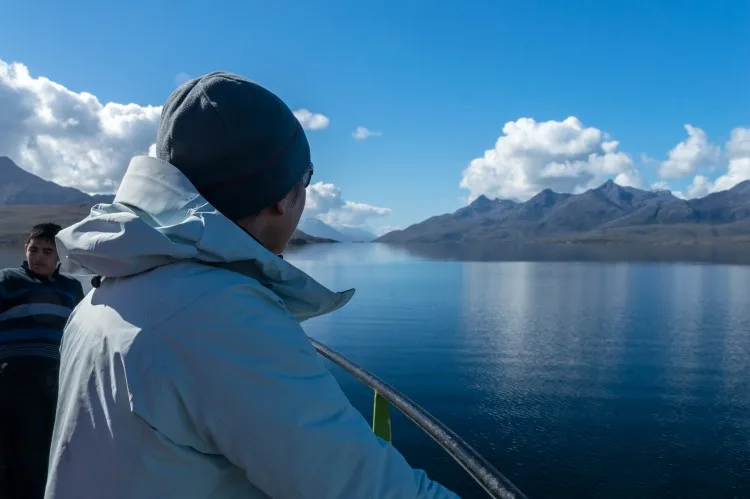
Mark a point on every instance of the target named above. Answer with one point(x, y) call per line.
point(233, 307)
point(14, 280)
point(218, 284)
point(206, 295)
point(11, 274)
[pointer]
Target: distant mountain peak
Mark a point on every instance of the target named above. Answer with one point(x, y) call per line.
point(316, 227)
point(315, 221)
point(481, 207)
point(547, 197)
point(481, 204)
point(11, 172)
point(549, 193)
point(485, 202)
point(20, 187)
point(6, 162)
point(612, 186)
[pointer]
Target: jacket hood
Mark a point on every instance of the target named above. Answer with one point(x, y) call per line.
point(158, 218)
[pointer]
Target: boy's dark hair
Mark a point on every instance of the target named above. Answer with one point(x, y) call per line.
point(44, 232)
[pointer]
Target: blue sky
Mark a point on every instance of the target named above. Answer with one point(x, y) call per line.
point(438, 79)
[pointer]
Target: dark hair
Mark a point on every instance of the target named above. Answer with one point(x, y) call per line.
point(304, 183)
point(298, 190)
point(44, 232)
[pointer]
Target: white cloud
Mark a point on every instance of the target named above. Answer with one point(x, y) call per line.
point(74, 139)
point(324, 201)
point(663, 185)
point(660, 186)
point(310, 120)
point(70, 137)
point(700, 186)
point(685, 158)
point(562, 155)
point(737, 151)
point(181, 78)
point(362, 133)
point(679, 194)
point(737, 155)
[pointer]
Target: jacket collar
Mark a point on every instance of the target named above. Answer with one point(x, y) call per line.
point(158, 217)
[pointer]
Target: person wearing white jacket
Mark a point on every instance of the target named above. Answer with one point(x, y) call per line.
point(185, 372)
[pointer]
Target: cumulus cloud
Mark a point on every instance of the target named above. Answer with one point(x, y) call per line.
point(660, 186)
point(310, 120)
point(562, 155)
point(324, 201)
point(737, 155)
point(685, 158)
point(737, 151)
point(362, 133)
point(70, 137)
point(74, 139)
point(679, 194)
point(700, 186)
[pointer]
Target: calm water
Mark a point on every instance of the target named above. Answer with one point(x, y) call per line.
point(575, 379)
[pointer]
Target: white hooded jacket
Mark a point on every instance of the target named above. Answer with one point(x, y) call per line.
point(186, 372)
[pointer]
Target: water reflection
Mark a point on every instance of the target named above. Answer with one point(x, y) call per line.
point(347, 252)
point(575, 371)
point(730, 254)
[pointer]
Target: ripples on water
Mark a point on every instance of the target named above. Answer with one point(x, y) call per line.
point(575, 379)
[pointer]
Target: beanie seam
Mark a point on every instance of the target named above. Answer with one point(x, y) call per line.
point(202, 89)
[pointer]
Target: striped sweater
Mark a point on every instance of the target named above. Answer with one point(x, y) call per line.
point(34, 311)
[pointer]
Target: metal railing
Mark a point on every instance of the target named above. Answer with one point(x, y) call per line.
point(490, 479)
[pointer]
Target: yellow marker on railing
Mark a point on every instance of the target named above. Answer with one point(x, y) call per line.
point(381, 417)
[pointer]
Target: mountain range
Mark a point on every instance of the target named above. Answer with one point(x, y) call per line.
point(608, 213)
point(26, 199)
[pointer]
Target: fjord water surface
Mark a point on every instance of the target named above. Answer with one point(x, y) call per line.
point(575, 379)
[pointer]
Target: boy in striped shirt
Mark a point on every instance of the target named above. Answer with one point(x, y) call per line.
point(35, 302)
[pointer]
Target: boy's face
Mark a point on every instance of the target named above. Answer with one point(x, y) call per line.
point(42, 257)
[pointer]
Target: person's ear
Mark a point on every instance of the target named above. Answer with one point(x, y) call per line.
point(280, 207)
point(285, 204)
point(26, 248)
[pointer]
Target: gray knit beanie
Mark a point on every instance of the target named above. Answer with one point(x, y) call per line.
point(238, 143)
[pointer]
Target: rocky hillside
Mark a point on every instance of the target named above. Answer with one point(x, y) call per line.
point(608, 213)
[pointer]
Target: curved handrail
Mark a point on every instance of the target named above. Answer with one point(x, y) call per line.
point(489, 478)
